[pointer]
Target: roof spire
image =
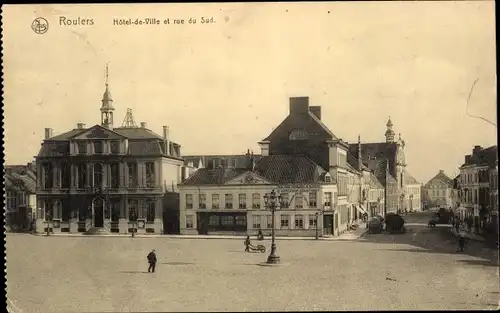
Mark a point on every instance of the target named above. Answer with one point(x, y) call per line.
point(389, 133)
point(107, 74)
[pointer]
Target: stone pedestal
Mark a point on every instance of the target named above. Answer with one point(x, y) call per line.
point(73, 225)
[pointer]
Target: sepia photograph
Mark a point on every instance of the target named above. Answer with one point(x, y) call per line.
point(234, 157)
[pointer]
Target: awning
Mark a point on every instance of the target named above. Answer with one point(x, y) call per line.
point(361, 209)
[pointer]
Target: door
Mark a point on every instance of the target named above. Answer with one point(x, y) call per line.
point(98, 213)
point(327, 225)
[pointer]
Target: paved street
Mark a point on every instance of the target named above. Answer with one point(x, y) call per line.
point(417, 270)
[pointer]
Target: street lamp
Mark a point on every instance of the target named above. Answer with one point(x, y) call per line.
point(134, 221)
point(317, 214)
point(271, 201)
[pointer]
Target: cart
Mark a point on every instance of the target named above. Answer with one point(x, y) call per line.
point(260, 248)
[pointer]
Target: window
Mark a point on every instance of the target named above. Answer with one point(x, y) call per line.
point(215, 201)
point(132, 210)
point(48, 176)
point(11, 201)
point(132, 175)
point(285, 200)
point(150, 210)
point(256, 221)
point(242, 199)
point(189, 201)
point(82, 147)
point(299, 200)
point(150, 175)
point(226, 220)
point(256, 200)
point(328, 199)
point(328, 179)
point(203, 201)
point(65, 175)
point(299, 221)
point(285, 219)
point(82, 175)
point(214, 220)
point(189, 221)
point(98, 147)
point(240, 220)
point(97, 175)
point(229, 201)
point(114, 146)
point(269, 221)
point(312, 221)
point(115, 175)
point(233, 163)
point(313, 199)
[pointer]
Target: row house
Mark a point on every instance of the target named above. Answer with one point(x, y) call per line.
point(20, 196)
point(105, 177)
point(475, 184)
point(222, 200)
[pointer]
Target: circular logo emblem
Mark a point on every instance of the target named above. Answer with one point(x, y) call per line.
point(40, 25)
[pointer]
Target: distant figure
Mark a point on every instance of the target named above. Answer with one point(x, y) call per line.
point(260, 236)
point(406, 211)
point(247, 244)
point(461, 243)
point(469, 223)
point(152, 261)
point(457, 225)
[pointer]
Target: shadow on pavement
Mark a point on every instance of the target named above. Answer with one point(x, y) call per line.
point(135, 272)
point(480, 262)
point(435, 240)
point(177, 263)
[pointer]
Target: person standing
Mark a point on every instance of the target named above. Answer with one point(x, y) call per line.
point(247, 244)
point(152, 261)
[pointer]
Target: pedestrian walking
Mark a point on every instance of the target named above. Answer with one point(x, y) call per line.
point(247, 244)
point(152, 261)
point(469, 223)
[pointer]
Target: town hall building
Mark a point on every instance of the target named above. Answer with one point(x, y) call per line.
point(108, 178)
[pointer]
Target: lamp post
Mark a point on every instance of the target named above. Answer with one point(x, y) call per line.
point(134, 221)
point(272, 202)
point(317, 214)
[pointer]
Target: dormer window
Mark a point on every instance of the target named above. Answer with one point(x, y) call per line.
point(82, 147)
point(114, 147)
point(98, 147)
point(328, 178)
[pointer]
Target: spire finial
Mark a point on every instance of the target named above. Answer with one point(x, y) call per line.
point(107, 74)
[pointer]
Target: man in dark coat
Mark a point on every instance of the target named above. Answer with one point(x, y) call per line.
point(152, 261)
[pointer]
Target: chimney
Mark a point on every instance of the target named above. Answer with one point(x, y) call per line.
point(143, 125)
point(48, 133)
point(166, 133)
point(441, 171)
point(477, 149)
point(467, 159)
point(80, 125)
point(299, 105)
point(316, 110)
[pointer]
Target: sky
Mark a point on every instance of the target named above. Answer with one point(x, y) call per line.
point(221, 87)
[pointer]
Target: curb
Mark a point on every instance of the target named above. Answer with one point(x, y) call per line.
point(212, 237)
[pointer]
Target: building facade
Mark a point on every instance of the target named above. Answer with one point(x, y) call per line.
point(231, 200)
point(475, 184)
point(386, 160)
point(439, 190)
point(20, 196)
point(106, 177)
point(324, 188)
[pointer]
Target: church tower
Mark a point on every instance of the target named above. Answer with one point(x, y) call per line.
point(389, 133)
point(107, 106)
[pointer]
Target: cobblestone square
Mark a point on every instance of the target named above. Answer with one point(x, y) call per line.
point(98, 274)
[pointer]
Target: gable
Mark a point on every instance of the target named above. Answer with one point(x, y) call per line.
point(98, 132)
point(248, 178)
